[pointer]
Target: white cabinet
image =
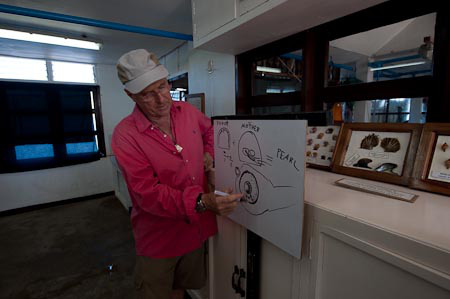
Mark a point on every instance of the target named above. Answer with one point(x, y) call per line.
point(228, 249)
point(355, 245)
point(244, 6)
point(354, 260)
point(120, 186)
point(210, 15)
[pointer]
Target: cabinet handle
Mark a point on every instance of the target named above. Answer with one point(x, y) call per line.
point(235, 279)
point(240, 290)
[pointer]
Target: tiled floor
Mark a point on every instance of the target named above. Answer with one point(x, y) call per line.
point(64, 252)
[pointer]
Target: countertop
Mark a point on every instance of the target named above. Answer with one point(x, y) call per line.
point(427, 220)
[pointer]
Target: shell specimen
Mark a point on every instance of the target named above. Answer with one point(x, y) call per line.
point(391, 145)
point(308, 153)
point(316, 147)
point(314, 155)
point(309, 142)
point(386, 167)
point(329, 130)
point(335, 137)
point(320, 135)
point(363, 163)
point(444, 147)
point(370, 141)
point(447, 164)
point(325, 143)
point(313, 130)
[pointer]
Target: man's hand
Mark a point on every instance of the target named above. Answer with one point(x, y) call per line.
point(209, 171)
point(221, 205)
point(207, 162)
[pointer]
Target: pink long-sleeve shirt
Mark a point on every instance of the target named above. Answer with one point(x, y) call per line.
point(164, 183)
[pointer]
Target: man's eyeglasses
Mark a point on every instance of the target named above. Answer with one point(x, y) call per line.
point(151, 95)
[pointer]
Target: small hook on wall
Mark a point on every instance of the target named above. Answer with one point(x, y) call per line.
point(210, 66)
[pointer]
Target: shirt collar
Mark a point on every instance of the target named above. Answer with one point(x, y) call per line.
point(142, 122)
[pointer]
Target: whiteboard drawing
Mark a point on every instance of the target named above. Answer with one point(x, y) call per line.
point(265, 161)
point(255, 203)
point(224, 138)
point(249, 149)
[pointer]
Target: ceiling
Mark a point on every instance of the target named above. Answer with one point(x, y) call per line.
point(173, 15)
point(385, 41)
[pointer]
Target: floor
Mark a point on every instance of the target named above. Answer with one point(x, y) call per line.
point(65, 251)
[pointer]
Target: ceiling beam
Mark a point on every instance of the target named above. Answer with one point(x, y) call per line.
point(91, 22)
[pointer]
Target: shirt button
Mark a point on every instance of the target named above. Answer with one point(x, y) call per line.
point(165, 135)
point(187, 161)
point(193, 178)
point(174, 153)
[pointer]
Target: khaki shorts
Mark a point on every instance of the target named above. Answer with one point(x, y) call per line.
point(156, 278)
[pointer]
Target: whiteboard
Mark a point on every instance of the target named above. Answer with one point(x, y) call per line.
point(265, 161)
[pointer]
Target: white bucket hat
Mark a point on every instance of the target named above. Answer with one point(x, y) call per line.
point(138, 69)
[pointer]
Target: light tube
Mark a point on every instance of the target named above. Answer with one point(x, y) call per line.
point(48, 39)
point(396, 66)
point(268, 69)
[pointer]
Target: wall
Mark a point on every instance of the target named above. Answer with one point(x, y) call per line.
point(209, 72)
point(218, 83)
point(42, 186)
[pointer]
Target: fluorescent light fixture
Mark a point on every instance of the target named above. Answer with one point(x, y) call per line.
point(48, 39)
point(180, 89)
point(372, 69)
point(268, 69)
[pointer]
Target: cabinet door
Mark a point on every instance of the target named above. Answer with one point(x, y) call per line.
point(227, 250)
point(210, 15)
point(247, 5)
point(348, 267)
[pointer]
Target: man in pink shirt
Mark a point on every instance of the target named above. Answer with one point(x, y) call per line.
point(164, 149)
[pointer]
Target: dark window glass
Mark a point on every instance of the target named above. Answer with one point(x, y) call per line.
point(400, 50)
point(47, 125)
point(278, 75)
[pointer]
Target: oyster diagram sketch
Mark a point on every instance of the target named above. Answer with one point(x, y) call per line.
point(250, 174)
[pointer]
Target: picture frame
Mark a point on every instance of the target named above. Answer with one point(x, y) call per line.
point(377, 151)
point(197, 100)
point(321, 144)
point(431, 169)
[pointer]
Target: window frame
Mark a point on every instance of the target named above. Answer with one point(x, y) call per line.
point(315, 45)
point(60, 151)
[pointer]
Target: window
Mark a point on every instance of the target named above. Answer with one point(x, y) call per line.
point(23, 69)
point(400, 50)
point(179, 87)
point(41, 70)
point(72, 72)
point(47, 125)
point(278, 74)
point(394, 110)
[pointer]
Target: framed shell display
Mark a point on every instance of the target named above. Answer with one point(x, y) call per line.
point(378, 151)
point(320, 145)
point(432, 165)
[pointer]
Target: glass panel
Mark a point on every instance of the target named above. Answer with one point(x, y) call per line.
point(399, 105)
point(81, 148)
point(397, 110)
point(378, 118)
point(400, 50)
point(278, 74)
point(379, 106)
point(23, 69)
point(276, 110)
point(32, 125)
point(34, 151)
point(398, 118)
point(73, 72)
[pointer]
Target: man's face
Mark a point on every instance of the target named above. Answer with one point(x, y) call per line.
point(155, 100)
